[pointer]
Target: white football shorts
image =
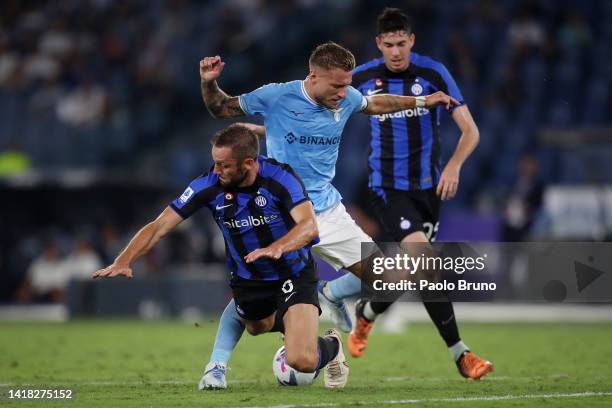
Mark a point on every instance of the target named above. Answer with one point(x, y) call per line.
point(340, 238)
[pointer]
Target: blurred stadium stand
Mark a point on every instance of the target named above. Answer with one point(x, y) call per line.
point(101, 120)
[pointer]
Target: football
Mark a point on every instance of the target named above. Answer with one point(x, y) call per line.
point(286, 375)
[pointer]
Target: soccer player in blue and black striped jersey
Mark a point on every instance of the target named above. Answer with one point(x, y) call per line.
point(304, 120)
point(268, 224)
point(405, 179)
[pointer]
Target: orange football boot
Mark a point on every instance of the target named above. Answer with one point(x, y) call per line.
point(358, 339)
point(472, 366)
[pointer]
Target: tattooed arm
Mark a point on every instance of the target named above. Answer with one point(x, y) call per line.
point(219, 104)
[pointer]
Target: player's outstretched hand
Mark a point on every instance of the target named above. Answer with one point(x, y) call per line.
point(267, 252)
point(210, 68)
point(449, 182)
point(440, 98)
point(114, 270)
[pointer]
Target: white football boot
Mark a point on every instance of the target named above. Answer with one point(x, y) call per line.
point(214, 377)
point(337, 370)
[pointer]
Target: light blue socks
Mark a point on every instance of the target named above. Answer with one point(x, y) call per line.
point(228, 334)
point(346, 286)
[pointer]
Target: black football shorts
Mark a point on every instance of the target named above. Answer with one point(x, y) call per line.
point(258, 299)
point(403, 212)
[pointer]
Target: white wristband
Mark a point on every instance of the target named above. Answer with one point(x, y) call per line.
point(420, 101)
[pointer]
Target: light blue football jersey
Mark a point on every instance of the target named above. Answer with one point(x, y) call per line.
point(304, 134)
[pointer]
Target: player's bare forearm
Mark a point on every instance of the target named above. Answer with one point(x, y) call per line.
point(219, 104)
point(148, 237)
point(380, 104)
point(466, 145)
point(449, 179)
point(303, 232)
point(297, 237)
point(470, 136)
point(387, 103)
point(259, 130)
point(139, 245)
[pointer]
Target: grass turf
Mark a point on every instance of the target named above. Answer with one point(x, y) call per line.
point(158, 364)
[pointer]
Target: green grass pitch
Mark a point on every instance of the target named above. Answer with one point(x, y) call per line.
point(158, 364)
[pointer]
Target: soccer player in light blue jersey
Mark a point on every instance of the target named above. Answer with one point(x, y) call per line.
point(304, 120)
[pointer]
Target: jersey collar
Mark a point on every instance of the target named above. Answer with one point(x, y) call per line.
point(312, 101)
point(308, 98)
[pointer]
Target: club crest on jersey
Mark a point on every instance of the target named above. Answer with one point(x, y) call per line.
point(378, 82)
point(405, 224)
point(261, 201)
point(186, 195)
point(229, 196)
point(337, 114)
point(416, 89)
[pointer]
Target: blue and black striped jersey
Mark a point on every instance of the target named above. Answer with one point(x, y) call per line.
point(405, 146)
point(252, 217)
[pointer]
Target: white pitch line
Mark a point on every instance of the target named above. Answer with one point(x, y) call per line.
point(586, 394)
point(438, 379)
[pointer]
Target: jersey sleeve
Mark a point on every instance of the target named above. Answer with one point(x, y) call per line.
point(296, 195)
point(197, 195)
point(357, 101)
point(289, 188)
point(259, 101)
point(451, 86)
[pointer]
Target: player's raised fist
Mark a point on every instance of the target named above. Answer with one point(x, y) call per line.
point(440, 98)
point(210, 68)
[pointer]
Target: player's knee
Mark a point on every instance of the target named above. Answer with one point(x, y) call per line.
point(303, 360)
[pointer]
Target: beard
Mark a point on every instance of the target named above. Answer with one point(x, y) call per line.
point(236, 180)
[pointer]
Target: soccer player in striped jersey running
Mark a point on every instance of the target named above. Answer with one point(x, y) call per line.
point(405, 180)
